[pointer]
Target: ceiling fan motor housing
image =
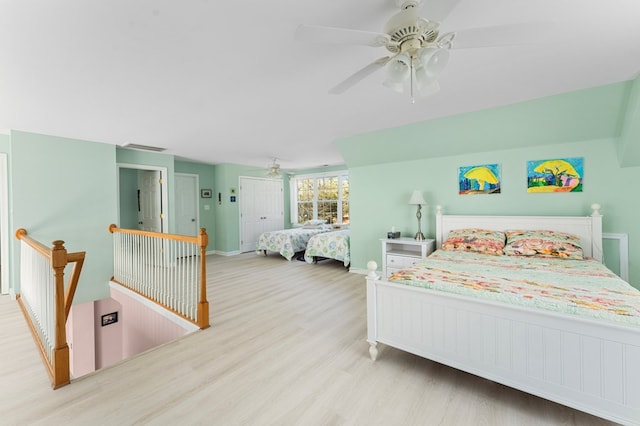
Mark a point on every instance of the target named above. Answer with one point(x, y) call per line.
point(407, 26)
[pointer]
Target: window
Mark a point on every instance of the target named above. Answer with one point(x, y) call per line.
point(323, 196)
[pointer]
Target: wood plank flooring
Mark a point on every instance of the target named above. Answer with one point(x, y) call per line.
point(286, 347)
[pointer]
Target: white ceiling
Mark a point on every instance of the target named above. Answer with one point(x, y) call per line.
point(225, 81)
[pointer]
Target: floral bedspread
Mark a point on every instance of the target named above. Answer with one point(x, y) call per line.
point(287, 242)
point(580, 287)
point(333, 245)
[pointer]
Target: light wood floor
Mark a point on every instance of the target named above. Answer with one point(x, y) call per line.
point(286, 347)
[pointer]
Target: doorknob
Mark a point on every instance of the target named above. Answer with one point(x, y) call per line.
point(193, 220)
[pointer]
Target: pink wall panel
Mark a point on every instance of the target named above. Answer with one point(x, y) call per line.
point(80, 336)
point(109, 337)
point(144, 328)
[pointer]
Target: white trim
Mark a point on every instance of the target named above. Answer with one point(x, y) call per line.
point(342, 175)
point(226, 253)
point(623, 252)
point(4, 225)
point(176, 319)
point(321, 174)
point(164, 193)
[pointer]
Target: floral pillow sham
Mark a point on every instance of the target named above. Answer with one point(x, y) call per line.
point(475, 240)
point(543, 244)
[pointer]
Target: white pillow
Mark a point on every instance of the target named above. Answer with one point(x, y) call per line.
point(314, 222)
point(312, 226)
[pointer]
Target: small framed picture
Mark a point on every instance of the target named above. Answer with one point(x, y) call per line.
point(205, 193)
point(109, 319)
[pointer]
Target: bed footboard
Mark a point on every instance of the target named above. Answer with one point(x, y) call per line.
point(584, 364)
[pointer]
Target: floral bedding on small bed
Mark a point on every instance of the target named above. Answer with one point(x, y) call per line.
point(580, 287)
point(333, 245)
point(288, 242)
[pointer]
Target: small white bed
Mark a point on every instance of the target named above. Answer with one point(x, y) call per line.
point(588, 363)
point(329, 245)
point(288, 242)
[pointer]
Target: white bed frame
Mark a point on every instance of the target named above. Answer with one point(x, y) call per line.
point(590, 365)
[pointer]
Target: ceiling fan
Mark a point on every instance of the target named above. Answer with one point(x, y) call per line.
point(273, 170)
point(418, 51)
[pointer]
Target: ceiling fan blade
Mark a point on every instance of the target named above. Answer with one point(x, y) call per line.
point(438, 10)
point(332, 35)
point(503, 35)
point(359, 75)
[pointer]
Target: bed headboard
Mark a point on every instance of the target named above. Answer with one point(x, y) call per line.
point(588, 228)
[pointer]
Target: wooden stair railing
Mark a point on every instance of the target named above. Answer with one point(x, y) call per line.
point(54, 354)
point(161, 267)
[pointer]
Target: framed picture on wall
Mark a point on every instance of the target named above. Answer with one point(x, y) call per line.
point(555, 175)
point(480, 179)
point(206, 193)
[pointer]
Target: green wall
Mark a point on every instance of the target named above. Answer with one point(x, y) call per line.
point(65, 189)
point(128, 192)
point(5, 140)
point(380, 189)
point(596, 113)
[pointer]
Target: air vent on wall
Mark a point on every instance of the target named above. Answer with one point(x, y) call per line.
point(144, 147)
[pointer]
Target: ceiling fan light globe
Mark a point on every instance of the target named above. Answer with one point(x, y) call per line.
point(399, 68)
point(429, 89)
point(433, 60)
point(394, 85)
point(423, 79)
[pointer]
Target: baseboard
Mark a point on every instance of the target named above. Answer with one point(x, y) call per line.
point(225, 253)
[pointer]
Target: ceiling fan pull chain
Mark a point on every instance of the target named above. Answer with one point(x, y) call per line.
point(413, 100)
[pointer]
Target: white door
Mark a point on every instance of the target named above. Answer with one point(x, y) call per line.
point(186, 196)
point(261, 209)
point(150, 200)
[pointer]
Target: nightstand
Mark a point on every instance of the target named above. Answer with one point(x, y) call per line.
point(400, 253)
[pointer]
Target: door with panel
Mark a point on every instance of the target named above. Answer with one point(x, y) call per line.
point(150, 200)
point(261, 209)
point(187, 206)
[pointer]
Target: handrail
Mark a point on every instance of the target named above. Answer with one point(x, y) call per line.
point(57, 358)
point(146, 284)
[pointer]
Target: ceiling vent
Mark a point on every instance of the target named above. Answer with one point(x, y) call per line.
point(144, 147)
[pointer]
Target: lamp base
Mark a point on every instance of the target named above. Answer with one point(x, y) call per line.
point(419, 236)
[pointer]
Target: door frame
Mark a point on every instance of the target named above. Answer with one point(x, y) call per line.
point(4, 225)
point(164, 194)
point(240, 178)
point(196, 197)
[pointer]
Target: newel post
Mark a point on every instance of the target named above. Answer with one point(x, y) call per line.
point(203, 304)
point(60, 358)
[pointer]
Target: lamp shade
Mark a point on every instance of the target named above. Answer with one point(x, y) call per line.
point(417, 198)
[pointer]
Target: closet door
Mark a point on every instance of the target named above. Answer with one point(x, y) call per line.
point(261, 209)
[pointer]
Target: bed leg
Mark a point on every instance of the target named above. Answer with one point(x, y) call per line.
point(265, 252)
point(373, 350)
point(315, 260)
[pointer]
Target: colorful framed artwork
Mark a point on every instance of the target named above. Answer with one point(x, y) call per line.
point(481, 179)
point(555, 175)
